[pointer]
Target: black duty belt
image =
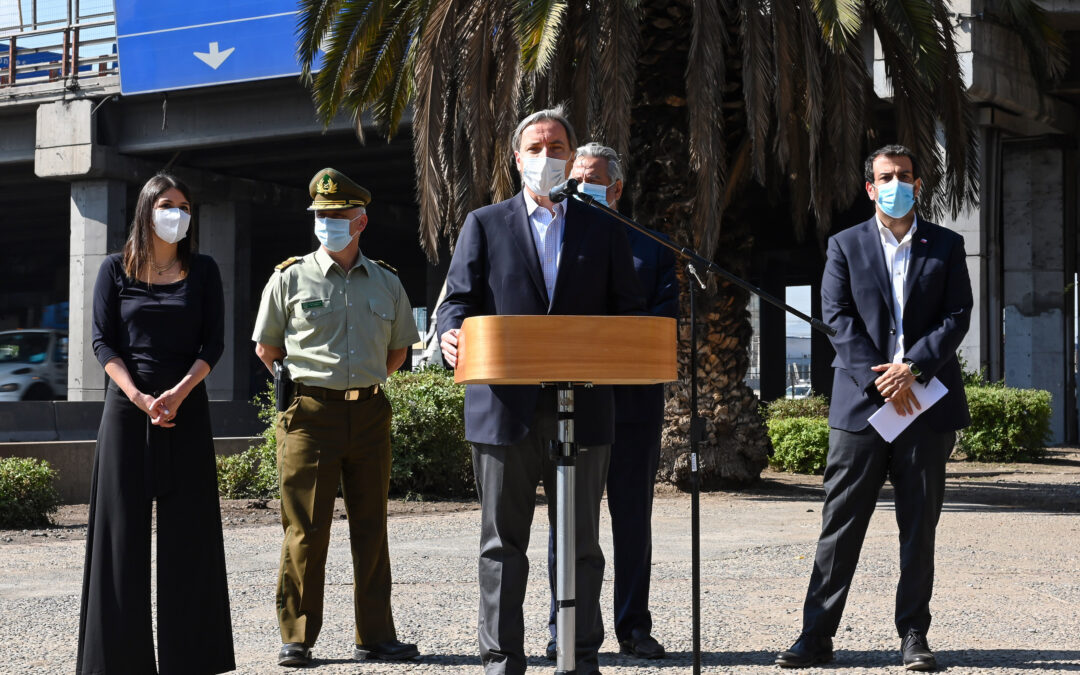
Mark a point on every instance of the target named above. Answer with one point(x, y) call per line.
point(361, 394)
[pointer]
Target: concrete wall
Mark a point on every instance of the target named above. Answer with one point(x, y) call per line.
point(1037, 283)
point(34, 421)
point(73, 461)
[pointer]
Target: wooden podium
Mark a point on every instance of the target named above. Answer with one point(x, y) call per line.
point(562, 351)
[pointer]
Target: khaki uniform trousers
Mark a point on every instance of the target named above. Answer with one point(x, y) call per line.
point(321, 444)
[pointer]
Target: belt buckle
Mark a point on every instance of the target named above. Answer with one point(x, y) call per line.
point(352, 394)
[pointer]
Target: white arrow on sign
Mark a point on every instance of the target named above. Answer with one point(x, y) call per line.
point(214, 58)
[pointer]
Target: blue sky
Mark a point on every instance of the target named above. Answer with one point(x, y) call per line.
point(799, 298)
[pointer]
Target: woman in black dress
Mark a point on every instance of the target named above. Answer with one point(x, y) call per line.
point(158, 328)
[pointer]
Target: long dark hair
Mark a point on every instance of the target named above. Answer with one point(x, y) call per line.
point(139, 247)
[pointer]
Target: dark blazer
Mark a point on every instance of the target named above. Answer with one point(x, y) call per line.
point(856, 300)
point(655, 268)
point(496, 270)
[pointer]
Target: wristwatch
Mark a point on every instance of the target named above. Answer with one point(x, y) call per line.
point(915, 370)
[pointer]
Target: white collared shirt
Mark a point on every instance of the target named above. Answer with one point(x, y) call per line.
point(547, 231)
point(897, 259)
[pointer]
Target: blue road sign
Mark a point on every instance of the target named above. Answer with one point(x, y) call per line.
point(217, 43)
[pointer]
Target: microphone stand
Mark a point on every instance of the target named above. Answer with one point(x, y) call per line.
point(697, 425)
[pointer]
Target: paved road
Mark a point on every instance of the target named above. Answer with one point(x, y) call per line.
point(1007, 597)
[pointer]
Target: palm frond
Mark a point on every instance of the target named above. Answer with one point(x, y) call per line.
point(616, 57)
point(759, 83)
point(840, 21)
point(432, 52)
point(506, 95)
point(353, 36)
point(474, 56)
point(705, 79)
point(315, 21)
point(538, 23)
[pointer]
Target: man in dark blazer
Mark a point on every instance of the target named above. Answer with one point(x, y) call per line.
point(527, 255)
point(896, 290)
point(639, 418)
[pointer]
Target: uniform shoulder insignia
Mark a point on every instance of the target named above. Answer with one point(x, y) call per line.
point(286, 264)
point(380, 263)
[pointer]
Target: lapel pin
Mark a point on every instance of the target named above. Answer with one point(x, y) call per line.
point(922, 241)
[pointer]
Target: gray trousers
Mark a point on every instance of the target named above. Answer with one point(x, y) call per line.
point(506, 481)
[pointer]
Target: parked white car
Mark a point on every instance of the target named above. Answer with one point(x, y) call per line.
point(33, 365)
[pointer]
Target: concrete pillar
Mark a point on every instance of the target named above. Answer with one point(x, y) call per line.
point(773, 334)
point(98, 227)
point(223, 231)
point(1037, 274)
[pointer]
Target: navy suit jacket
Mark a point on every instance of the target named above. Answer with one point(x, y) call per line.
point(655, 268)
point(496, 270)
point(856, 300)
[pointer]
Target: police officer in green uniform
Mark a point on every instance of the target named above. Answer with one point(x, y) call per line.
point(340, 323)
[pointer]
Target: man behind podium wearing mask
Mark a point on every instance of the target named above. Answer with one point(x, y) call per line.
point(528, 255)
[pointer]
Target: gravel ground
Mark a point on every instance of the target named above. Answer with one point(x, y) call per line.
point(1007, 594)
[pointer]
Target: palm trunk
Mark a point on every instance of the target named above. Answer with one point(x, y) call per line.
point(735, 446)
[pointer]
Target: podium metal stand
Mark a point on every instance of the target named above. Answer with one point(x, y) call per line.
point(565, 351)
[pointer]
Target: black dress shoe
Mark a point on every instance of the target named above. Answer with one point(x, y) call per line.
point(644, 647)
point(916, 652)
point(294, 654)
point(552, 651)
point(391, 650)
point(807, 651)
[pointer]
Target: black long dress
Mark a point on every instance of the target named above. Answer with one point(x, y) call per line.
point(158, 331)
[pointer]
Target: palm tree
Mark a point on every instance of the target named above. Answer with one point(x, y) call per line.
point(714, 103)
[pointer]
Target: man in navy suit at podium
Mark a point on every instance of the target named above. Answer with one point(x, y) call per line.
point(528, 255)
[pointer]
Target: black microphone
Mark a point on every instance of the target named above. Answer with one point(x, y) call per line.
point(563, 190)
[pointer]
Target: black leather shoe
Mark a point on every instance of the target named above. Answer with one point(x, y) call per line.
point(552, 651)
point(807, 651)
point(391, 650)
point(916, 652)
point(645, 647)
point(294, 654)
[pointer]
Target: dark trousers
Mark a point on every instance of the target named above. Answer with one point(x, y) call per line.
point(134, 465)
point(321, 445)
point(857, 466)
point(635, 456)
point(506, 481)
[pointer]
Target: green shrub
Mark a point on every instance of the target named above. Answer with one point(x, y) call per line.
point(815, 405)
point(800, 444)
point(252, 474)
point(1007, 424)
point(427, 434)
point(27, 496)
point(427, 437)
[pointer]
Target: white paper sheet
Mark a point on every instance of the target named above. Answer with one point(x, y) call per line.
point(889, 423)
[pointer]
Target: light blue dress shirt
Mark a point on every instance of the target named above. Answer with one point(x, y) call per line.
point(547, 231)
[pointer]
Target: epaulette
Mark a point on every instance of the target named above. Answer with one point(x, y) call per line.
point(284, 265)
point(380, 263)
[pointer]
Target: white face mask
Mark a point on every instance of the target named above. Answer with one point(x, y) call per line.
point(541, 173)
point(171, 225)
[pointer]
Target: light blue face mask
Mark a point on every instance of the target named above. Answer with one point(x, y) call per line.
point(896, 198)
point(333, 233)
point(597, 192)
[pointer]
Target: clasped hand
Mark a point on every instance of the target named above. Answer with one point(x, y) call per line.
point(162, 410)
point(894, 385)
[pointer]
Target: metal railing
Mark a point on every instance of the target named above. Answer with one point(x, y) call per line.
point(62, 42)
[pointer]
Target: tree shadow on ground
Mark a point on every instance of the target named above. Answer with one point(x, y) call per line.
point(961, 494)
point(1049, 660)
